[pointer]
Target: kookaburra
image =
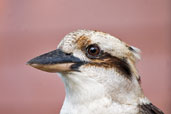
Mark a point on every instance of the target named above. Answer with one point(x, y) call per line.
point(99, 74)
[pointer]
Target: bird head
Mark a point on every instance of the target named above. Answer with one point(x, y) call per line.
point(93, 64)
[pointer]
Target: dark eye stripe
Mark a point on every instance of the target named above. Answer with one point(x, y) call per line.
point(121, 65)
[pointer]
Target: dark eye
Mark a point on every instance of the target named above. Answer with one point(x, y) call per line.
point(93, 50)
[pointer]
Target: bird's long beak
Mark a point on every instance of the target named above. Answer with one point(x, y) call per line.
point(55, 61)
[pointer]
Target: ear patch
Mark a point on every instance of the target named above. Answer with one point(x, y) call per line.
point(136, 52)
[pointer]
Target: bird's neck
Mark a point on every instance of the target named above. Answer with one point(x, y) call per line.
point(83, 92)
point(80, 89)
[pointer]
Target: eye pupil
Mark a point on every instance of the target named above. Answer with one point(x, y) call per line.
point(93, 50)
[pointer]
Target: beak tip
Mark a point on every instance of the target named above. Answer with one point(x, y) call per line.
point(33, 65)
point(30, 62)
point(27, 63)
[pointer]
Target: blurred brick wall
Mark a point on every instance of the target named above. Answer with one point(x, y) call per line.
point(31, 27)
